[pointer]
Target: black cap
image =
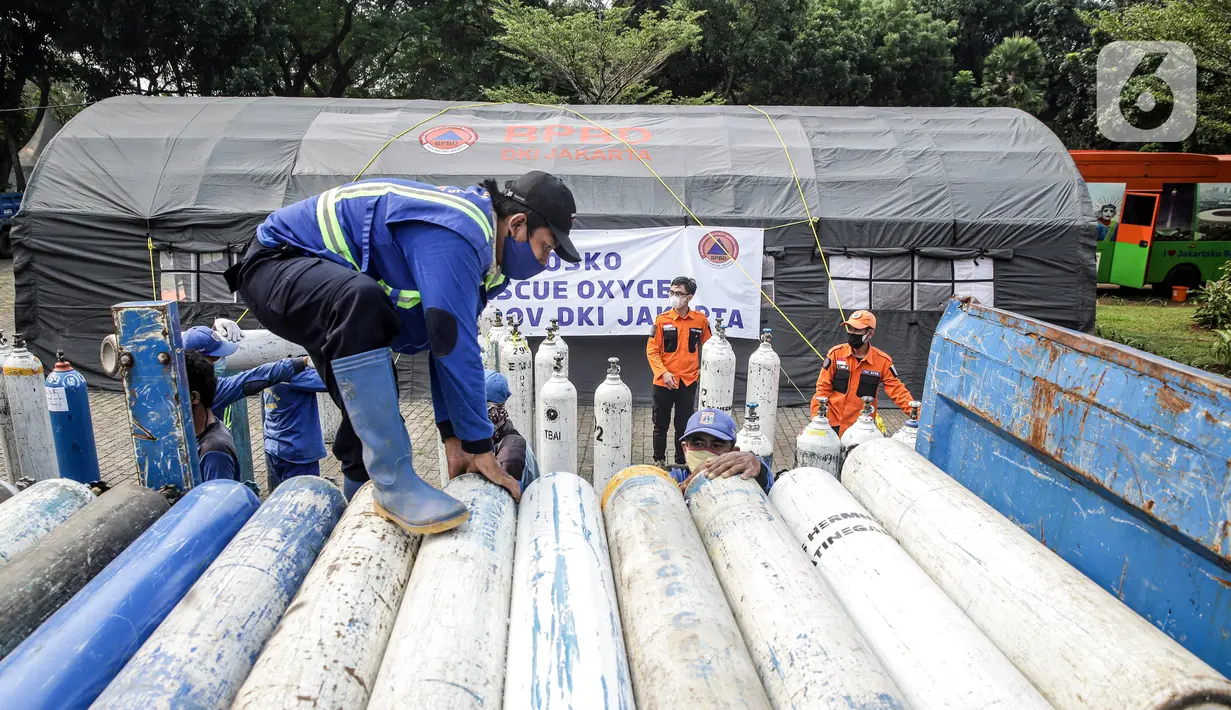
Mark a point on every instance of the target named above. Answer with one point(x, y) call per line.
point(547, 195)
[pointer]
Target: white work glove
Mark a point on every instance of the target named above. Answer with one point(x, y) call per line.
point(228, 330)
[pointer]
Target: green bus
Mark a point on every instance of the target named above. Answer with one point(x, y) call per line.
point(1164, 218)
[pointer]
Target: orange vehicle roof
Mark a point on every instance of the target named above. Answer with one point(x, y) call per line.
point(1128, 165)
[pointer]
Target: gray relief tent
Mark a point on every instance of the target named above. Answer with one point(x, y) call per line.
point(911, 206)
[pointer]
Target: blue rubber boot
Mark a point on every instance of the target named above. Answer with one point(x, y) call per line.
point(368, 391)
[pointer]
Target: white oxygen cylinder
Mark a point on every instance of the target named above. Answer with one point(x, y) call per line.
point(909, 433)
point(8, 439)
point(496, 336)
point(805, 647)
point(613, 426)
point(717, 371)
point(544, 365)
point(557, 424)
point(259, 347)
point(934, 652)
point(331, 417)
point(518, 366)
point(764, 368)
point(817, 446)
point(447, 648)
point(1083, 648)
point(566, 644)
point(751, 438)
point(560, 344)
point(26, 391)
point(864, 429)
point(485, 319)
point(685, 650)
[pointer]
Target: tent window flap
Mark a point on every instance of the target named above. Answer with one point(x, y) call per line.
point(901, 283)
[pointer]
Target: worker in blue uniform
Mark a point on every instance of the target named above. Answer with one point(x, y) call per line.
point(216, 454)
point(233, 388)
point(386, 264)
point(294, 445)
point(710, 451)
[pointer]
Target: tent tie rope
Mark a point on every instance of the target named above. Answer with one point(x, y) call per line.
point(807, 210)
point(647, 166)
point(149, 243)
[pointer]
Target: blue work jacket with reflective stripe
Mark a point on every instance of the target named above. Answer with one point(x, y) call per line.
point(292, 421)
point(430, 248)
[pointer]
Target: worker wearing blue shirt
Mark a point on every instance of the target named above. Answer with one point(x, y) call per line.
point(216, 453)
point(294, 445)
point(709, 449)
point(387, 263)
point(233, 388)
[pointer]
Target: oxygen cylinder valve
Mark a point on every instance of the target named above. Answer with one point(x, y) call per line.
point(558, 368)
point(767, 335)
point(752, 414)
point(19, 340)
point(62, 363)
point(555, 325)
point(613, 365)
point(822, 407)
point(914, 410)
point(719, 328)
point(867, 406)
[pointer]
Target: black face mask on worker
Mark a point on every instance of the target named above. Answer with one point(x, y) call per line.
point(856, 340)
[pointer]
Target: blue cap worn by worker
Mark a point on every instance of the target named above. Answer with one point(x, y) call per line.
point(205, 341)
point(714, 422)
point(497, 386)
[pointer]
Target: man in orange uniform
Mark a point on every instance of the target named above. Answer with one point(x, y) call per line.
point(674, 352)
point(855, 370)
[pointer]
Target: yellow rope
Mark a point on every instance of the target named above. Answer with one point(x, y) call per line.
point(149, 242)
point(807, 210)
point(788, 224)
point(694, 218)
point(645, 163)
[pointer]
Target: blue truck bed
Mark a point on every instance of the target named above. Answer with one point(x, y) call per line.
point(1117, 460)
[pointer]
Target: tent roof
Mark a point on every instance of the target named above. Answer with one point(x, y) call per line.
point(947, 173)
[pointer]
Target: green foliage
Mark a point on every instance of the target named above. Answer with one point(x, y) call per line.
point(1214, 302)
point(1013, 76)
point(599, 54)
point(1220, 351)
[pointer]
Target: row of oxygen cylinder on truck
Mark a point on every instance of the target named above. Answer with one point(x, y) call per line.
point(543, 402)
point(892, 587)
point(45, 426)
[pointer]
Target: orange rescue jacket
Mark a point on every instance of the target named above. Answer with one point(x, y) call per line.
point(846, 380)
point(675, 345)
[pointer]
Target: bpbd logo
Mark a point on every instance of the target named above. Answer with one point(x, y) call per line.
point(447, 140)
point(718, 249)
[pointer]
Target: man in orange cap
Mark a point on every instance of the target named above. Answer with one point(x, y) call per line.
point(855, 370)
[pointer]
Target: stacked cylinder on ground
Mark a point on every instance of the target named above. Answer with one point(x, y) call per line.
point(806, 650)
point(684, 647)
point(566, 646)
point(1079, 645)
point(203, 651)
point(447, 648)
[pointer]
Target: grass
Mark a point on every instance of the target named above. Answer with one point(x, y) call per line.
point(1158, 327)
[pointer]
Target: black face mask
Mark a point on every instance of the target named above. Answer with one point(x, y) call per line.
point(856, 341)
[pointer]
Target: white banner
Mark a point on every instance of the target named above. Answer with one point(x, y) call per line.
point(624, 277)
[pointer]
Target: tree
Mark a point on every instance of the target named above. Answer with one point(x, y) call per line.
point(592, 52)
point(28, 56)
point(1013, 76)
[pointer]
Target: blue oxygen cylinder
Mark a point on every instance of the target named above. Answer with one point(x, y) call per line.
point(72, 429)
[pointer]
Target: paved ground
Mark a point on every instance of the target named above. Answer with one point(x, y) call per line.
point(118, 462)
